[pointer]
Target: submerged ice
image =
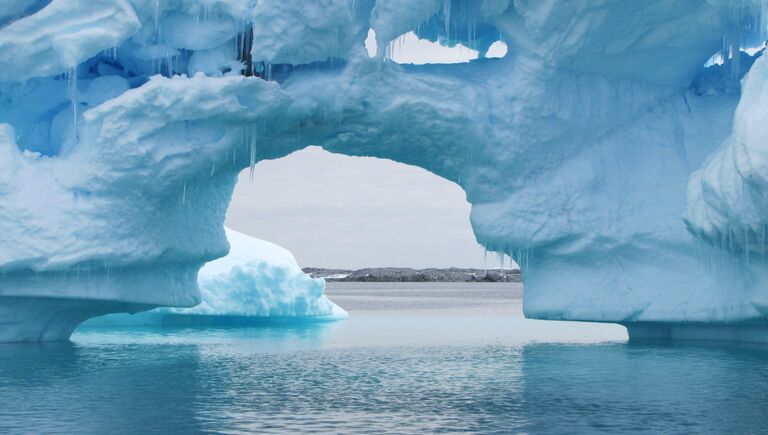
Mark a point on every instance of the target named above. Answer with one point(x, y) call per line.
point(624, 175)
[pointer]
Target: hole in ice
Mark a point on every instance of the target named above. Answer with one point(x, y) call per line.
point(408, 48)
point(339, 211)
point(721, 74)
point(370, 43)
point(244, 45)
point(718, 58)
point(497, 49)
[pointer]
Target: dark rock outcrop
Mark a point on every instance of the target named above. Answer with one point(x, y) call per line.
point(405, 274)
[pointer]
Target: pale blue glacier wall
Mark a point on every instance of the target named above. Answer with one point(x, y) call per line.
point(599, 153)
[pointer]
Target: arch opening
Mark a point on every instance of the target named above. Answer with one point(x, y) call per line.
point(344, 212)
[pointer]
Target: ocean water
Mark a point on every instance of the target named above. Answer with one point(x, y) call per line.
point(412, 358)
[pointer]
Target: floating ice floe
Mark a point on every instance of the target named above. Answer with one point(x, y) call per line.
point(257, 282)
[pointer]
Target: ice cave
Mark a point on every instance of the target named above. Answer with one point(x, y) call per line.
point(618, 151)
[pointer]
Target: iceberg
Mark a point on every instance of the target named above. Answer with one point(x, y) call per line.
point(615, 151)
point(256, 282)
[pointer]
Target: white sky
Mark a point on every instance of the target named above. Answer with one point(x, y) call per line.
point(337, 211)
point(332, 210)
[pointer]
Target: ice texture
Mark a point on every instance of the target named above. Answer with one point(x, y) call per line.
point(256, 281)
point(607, 152)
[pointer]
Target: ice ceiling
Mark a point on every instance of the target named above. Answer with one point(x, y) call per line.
point(625, 177)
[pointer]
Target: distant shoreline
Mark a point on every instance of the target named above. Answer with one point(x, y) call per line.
point(406, 274)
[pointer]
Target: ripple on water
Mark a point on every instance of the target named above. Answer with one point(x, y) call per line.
point(402, 366)
point(535, 387)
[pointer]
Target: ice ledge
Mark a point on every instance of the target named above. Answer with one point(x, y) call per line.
point(48, 306)
point(743, 332)
point(33, 319)
point(165, 284)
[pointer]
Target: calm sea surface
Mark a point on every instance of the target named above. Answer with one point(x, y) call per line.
point(412, 358)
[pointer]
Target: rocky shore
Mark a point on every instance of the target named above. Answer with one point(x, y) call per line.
point(405, 274)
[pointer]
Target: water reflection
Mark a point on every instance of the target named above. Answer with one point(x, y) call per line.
point(69, 388)
point(148, 385)
point(274, 338)
point(653, 387)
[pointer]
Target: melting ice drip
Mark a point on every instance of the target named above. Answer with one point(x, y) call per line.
point(598, 152)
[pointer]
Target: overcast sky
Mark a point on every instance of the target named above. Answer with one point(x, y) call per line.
point(337, 211)
point(332, 210)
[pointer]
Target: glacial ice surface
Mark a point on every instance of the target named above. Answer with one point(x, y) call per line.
point(605, 152)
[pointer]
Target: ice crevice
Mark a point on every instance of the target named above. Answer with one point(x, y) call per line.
point(625, 177)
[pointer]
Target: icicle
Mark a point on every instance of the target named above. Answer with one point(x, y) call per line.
point(746, 245)
point(168, 62)
point(735, 57)
point(447, 18)
point(157, 20)
point(184, 194)
point(72, 75)
point(763, 21)
point(252, 143)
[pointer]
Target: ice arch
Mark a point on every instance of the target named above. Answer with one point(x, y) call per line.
point(578, 149)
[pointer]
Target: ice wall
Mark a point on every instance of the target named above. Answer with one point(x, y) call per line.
point(622, 174)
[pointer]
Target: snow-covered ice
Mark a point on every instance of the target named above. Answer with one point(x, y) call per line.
point(625, 176)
